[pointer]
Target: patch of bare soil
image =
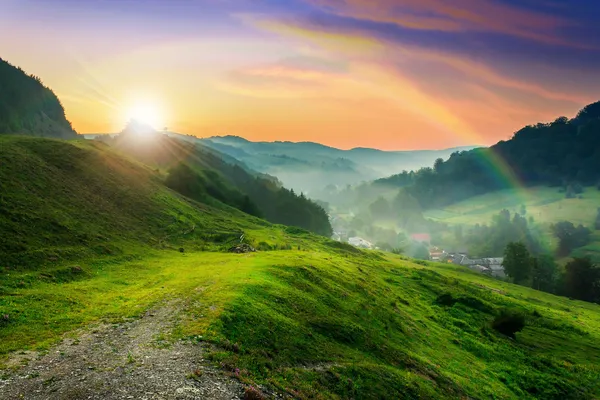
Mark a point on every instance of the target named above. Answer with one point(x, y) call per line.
point(119, 361)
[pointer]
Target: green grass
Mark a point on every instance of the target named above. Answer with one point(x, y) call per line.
point(546, 205)
point(329, 323)
point(76, 200)
point(311, 317)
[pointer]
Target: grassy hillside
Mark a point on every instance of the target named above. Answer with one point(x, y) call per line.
point(219, 178)
point(544, 204)
point(329, 324)
point(313, 319)
point(28, 107)
point(71, 200)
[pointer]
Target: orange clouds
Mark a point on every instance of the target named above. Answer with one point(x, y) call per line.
point(367, 88)
point(392, 78)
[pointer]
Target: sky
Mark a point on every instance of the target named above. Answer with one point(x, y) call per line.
point(387, 74)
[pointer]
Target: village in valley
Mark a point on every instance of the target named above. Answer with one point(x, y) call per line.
point(491, 266)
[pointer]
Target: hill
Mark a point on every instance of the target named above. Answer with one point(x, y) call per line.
point(310, 167)
point(563, 153)
point(544, 205)
point(28, 107)
point(550, 169)
point(94, 237)
point(206, 175)
point(72, 200)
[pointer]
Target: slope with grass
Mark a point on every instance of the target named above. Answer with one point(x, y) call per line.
point(544, 204)
point(71, 200)
point(334, 324)
point(312, 319)
point(219, 178)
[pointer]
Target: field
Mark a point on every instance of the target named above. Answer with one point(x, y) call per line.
point(329, 322)
point(544, 204)
point(90, 236)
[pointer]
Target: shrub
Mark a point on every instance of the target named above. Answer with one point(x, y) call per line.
point(342, 246)
point(294, 230)
point(264, 246)
point(509, 322)
point(445, 299)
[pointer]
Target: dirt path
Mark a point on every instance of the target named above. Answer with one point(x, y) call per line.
point(120, 361)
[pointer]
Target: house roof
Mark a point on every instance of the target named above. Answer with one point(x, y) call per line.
point(494, 260)
point(421, 237)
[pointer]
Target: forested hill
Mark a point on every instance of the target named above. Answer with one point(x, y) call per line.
point(28, 107)
point(565, 153)
point(202, 174)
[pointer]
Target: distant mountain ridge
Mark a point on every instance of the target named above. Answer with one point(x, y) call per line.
point(30, 108)
point(310, 166)
point(235, 138)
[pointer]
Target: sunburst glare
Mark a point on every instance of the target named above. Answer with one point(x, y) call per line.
point(146, 112)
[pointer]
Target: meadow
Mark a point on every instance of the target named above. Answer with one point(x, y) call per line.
point(328, 322)
point(545, 205)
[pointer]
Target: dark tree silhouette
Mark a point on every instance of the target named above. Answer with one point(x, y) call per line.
point(570, 237)
point(517, 262)
point(28, 107)
point(582, 280)
point(544, 273)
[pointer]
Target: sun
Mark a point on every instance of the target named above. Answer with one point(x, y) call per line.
point(147, 113)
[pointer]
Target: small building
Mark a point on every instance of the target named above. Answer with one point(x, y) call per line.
point(435, 254)
point(495, 266)
point(421, 237)
point(480, 268)
point(488, 265)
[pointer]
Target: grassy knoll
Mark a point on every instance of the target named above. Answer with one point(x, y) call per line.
point(319, 319)
point(544, 204)
point(329, 323)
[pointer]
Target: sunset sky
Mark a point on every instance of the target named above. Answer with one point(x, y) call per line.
point(390, 74)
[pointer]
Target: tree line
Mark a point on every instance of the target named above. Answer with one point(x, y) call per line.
point(29, 107)
point(565, 152)
point(580, 278)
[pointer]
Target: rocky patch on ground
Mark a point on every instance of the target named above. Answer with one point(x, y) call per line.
point(242, 248)
point(128, 360)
